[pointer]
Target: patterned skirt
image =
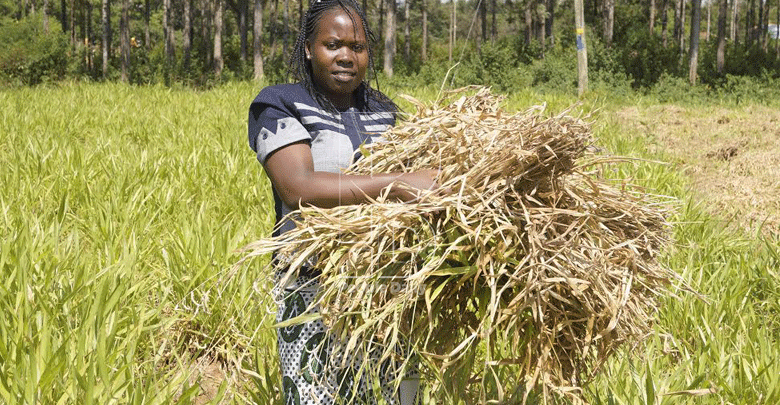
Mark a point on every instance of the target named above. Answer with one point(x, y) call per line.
point(308, 357)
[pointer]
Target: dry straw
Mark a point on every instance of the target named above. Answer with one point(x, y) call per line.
point(521, 280)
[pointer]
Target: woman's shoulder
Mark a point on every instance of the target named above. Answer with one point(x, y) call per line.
point(284, 94)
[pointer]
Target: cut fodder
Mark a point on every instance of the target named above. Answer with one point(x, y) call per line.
point(521, 280)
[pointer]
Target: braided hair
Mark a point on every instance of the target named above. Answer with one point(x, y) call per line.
point(300, 69)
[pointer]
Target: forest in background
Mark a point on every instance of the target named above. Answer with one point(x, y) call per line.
point(508, 44)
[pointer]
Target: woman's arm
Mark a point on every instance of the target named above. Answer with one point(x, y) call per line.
point(291, 170)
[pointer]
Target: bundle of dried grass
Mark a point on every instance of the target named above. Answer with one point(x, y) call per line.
point(524, 278)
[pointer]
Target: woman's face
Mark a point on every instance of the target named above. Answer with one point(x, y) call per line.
point(338, 52)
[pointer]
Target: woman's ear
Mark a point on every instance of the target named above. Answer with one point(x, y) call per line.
point(307, 48)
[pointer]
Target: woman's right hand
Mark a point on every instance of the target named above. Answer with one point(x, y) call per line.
point(405, 185)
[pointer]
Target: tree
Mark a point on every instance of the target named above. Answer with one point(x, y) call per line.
point(124, 40)
point(285, 32)
point(529, 21)
point(494, 30)
point(170, 51)
point(45, 12)
point(664, 22)
point(257, 39)
point(424, 50)
point(678, 21)
point(147, 34)
point(63, 15)
point(582, 51)
point(390, 38)
point(407, 34)
point(609, 21)
point(749, 23)
point(453, 28)
point(105, 17)
point(723, 7)
point(186, 35)
point(219, 63)
point(652, 16)
point(550, 19)
point(694, 51)
point(734, 19)
point(240, 8)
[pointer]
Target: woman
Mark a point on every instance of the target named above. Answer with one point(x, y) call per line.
point(304, 135)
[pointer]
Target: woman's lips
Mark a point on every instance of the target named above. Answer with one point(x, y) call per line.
point(343, 76)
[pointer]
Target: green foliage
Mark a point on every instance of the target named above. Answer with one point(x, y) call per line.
point(495, 65)
point(29, 55)
point(121, 209)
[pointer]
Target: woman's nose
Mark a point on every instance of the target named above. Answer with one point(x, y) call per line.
point(345, 56)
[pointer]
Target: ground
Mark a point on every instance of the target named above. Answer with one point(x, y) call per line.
point(732, 156)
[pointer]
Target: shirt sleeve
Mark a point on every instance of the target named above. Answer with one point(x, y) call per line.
point(273, 124)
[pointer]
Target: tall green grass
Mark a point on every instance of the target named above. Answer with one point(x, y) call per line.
point(121, 209)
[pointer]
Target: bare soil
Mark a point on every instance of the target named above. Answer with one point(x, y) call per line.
point(732, 156)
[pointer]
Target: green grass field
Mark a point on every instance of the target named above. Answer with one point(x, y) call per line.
point(121, 210)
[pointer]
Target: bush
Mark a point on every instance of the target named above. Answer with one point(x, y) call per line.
point(496, 66)
point(30, 56)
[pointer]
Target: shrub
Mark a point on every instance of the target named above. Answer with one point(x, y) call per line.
point(30, 56)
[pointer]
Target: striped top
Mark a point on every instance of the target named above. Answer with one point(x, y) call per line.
point(284, 114)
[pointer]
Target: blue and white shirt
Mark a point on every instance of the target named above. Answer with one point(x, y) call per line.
point(285, 114)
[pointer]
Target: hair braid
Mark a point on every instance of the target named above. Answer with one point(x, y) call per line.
point(300, 69)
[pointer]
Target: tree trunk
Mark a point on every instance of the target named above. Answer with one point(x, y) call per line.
point(694, 51)
point(147, 34)
point(482, 36)
point(494, 29)
point(549, 20)
point(88, 39)
point(483, 21)
point(749, 17)
point(82, 18)
point(529, 22)
point(723, 7)
point(105, 18)
point(45, 12)
point(381, 20)
point(242, 28)
point(424, 50)
point(124, 40)
point(609, 22)
point(652, 16)
point(582, 51)
point(734, 20)
point(64, 15)
point(760, 28)
point(390, 38)
point(257, 39)
point(286, 29)
point(678, 21)
point(219, 63)
point(170, 51)
point(709, 15)
point(274, 14)
point(72, 24)
point(682, 27)
point(407, 34)
point(206, 23)
point(186, 36)
point(453, 25)
point(664, 22)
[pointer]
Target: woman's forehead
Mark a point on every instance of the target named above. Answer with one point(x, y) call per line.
point(337, 21)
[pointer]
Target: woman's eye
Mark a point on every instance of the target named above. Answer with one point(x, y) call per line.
point(358, 48)
point(332, 46)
